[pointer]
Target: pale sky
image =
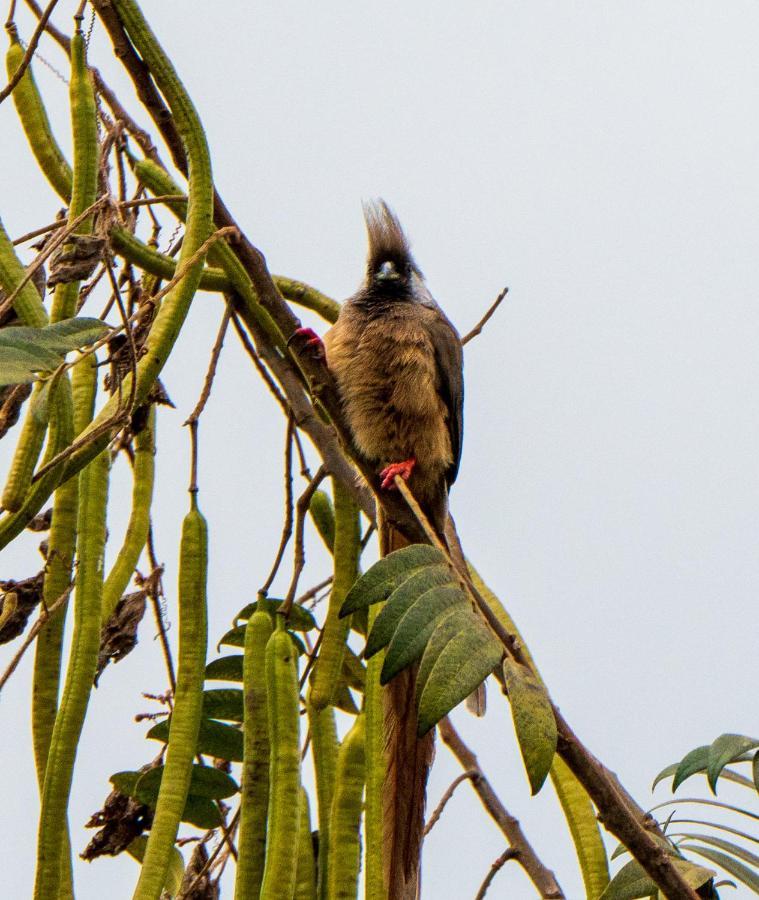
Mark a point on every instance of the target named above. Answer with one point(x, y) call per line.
point(598, 158)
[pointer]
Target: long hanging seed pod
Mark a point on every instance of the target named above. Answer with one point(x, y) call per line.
point(305, 877)
point(326, 675)
point(344, 848)
point(79, 677)
point(188, 705)
point(143, 477)
point(255, 769)
point(324, 746)
point(282, 694)
point(374, 878)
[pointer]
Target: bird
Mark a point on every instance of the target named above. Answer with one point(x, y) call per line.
point(397, 363)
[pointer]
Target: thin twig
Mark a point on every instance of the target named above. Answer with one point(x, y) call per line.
point(53, 226)
point(49, 249)
point(262, 370)
point(182, 270)
point(301, 510)
point(32, 46)
point(287, 528)
point(438, 811)
point(209, 862)
point(312, 592)
point(541, 876)
point(127, 331)
point(211, 372)
point(507, 854)
point(310, 662)
point(154, 587)
point(44, 617)
point(484, 320)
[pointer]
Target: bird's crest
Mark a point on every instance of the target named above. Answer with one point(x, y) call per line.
point(387, 242)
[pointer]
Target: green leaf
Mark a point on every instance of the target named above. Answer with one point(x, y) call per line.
point(26, 351)
point(451, 623)
point(632, 882)
point(223, 703)
point(225, 668)
point(386, 574)
point(300, 619)
point(68, 334)
point(126, 781)
point(755, 770)
point(416, 626)
point(175, 872)
point(726, 749)
point(690, 764)
point(214, 739)
point(201, 812)
point(464, 663)
point(729, 864)
point(665, 773)
point(206, 782)
point(400, 601)
point(728, 846)
point(534, 721)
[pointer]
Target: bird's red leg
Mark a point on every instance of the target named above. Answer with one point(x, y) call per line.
point(403, 469)
point(309, 340)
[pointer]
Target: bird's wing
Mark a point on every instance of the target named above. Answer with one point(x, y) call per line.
point(450, 365)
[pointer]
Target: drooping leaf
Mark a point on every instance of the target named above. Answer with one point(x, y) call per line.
point(25, 351)
point(665, 773)
point(632, 882)
point(175, 871)
point(300, 619)
point(214, 739)
point(728, 846)
point(729, 863)
point(201, 812)
point(125, 782)
point(451, 623)
point(385, 575)
point(223, 703)
point(690, 764)
point(534, 721)
point(416, 626)
point(726, 749)
point(400, 601)
point(206, 782)
point(755, 769)
point(464, 663)
point(225, 668)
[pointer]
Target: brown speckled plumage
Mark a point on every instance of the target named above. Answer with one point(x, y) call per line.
point(397, 363)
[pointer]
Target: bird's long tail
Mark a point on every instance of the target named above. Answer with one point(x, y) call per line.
point(408, 760)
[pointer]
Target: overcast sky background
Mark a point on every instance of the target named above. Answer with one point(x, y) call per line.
point(601, 160)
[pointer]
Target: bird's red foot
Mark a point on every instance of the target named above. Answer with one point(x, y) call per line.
point(310, 341)
point(403, 469)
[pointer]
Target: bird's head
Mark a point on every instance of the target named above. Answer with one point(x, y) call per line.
point(391, 273)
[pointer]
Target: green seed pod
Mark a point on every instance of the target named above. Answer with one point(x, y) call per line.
point(305, 877)
point(188, 705)
point(284, 767)
point(345, 843)
point(25, 458)
point(323, 514)
point(324, 746)
point(139, 519)
point(36, 124)
point(328, 668)
point(85, 643)
point(374, 878)
point(255, 769)
point(86, 152)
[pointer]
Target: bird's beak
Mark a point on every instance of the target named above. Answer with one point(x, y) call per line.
point(387, 272)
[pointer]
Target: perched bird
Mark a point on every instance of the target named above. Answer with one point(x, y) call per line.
point(397, 364)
